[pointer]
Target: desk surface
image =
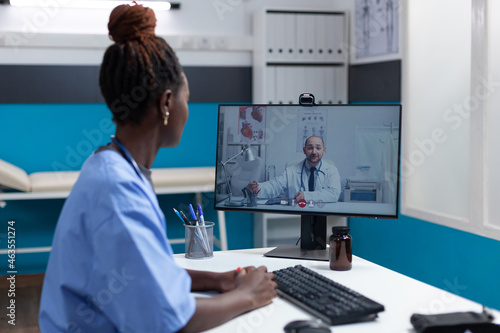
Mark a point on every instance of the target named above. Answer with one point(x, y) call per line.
point(402, 296)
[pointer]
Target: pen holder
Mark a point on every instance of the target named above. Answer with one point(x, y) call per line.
point(199, 241)
point(251, 199)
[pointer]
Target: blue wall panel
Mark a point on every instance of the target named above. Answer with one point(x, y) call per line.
point(54, 137)
point(460, 262)
point(45, 137)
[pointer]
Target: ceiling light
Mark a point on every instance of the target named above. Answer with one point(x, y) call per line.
point(93, 4)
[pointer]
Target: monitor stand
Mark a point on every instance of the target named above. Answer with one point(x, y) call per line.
point(312, 241)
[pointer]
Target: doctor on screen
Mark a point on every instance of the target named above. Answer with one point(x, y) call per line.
point(311, 179)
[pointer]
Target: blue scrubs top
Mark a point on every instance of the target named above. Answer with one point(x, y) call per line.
point(111, 267)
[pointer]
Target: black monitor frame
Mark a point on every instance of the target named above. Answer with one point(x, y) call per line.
point(313, 238)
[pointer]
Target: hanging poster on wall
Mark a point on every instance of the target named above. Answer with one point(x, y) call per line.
point(376, 31)
point(311, 123)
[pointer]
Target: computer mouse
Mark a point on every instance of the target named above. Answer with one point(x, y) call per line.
point(306, 326)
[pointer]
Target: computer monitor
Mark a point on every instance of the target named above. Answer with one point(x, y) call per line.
point(265, 154)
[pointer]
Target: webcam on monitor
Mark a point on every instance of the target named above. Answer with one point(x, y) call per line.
point(306, 99)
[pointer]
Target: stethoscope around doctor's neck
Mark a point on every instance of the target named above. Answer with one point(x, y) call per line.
point(302, 187)
point(127, 156)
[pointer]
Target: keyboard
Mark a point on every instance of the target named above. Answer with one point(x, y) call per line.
point(325, 299)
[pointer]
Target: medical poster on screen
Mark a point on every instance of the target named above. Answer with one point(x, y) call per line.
point(311, 123)
point(252, 124)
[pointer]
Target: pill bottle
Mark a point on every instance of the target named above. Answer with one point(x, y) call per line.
point(340, 249)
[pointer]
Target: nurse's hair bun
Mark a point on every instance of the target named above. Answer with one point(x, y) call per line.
point(128, 22)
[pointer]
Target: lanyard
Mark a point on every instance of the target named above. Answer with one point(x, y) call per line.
point(127, 156)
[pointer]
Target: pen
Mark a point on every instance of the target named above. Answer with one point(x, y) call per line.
point(177, 213)
point(200, 213)
point(198, 238)
point(191, 211)
point(184, 218)
point(203, 229)
point(185, 221)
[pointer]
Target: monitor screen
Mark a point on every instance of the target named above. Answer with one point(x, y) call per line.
point(309, 160)
point(316, 161)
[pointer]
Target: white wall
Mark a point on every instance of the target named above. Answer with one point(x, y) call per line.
point(451, 101)
point(216, 32)
point(436, 78)
point(492, 135)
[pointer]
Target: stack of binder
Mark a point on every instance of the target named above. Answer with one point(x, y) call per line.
point(304, 52)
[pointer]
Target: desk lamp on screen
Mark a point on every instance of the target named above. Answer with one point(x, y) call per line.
point(248, 156)
point(317, 161)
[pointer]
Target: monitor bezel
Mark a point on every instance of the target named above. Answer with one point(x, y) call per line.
point(314, 213)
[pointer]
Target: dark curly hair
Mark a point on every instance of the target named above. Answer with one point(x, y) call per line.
point(138, 67)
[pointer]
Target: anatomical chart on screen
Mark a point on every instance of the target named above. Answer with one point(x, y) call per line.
point(252, 124)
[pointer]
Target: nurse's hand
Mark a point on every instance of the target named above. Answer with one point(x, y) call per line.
point(253, 288)
point(257, 285)
point(227, 280)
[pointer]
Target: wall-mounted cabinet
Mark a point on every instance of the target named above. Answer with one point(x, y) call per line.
point(297, 52)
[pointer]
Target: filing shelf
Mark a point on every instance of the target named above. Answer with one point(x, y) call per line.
point(297, 52)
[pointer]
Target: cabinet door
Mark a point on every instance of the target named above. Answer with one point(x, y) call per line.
point(271, 36)
point(300, 52)
point(336, 49)
point(271, 86)
point(306, 37)
point(290, 36)
point(323, 36)
point(330, 85)
point(340, 85)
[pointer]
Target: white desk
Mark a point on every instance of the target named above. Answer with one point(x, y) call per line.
point(402, 296)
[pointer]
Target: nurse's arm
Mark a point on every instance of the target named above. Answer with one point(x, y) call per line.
point(254, 288)
point(212, 281)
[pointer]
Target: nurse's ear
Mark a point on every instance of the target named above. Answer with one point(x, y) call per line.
point(164, 103)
